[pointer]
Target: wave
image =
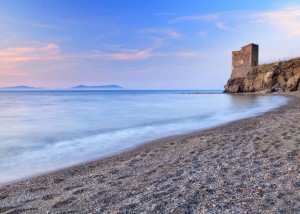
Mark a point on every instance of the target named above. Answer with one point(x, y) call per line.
point(19, 162)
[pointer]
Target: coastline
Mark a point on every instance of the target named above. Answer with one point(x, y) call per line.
point(249, 165)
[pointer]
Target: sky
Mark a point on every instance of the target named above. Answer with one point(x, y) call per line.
point(157, 44)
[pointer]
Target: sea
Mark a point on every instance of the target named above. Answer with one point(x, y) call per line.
point(43, 131)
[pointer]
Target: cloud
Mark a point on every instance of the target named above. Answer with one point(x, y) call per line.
point(286, 20)
point(52, 52)
point(131, 56)
point(135, 55)
point(190, 54)
point(120, 56)
point(181, 54)
point(25, 54)
point(208, 17)
point(163, 31)
point(221, 25)
point(215, 18)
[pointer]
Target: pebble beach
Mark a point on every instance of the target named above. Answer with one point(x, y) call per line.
point(247, 166)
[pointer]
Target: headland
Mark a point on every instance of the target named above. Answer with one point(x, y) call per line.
point(248, 76)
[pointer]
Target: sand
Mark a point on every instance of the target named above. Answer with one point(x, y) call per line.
point(247, 166)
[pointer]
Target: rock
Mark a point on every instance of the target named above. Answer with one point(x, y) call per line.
point(280, 76)
point(268, 184)
point(292, 83)
point(234, 85)
point(267, 91)
point(281, 80)
point(289, 73)
point(268, 78)
point(296, 71)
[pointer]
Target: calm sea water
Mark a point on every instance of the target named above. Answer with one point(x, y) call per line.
point(47, 130)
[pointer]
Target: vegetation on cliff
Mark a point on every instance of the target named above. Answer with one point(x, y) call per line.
point(279, 76)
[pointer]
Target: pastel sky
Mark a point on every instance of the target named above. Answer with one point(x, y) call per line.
point(139, 44)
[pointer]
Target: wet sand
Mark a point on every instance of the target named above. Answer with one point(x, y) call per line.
point(247, 166)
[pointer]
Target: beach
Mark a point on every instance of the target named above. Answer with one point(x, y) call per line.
point(247, 166)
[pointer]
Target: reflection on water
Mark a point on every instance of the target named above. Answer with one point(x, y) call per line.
point(46, 130)
point(244, 100)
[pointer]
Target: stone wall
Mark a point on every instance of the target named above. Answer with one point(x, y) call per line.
point(244, 60)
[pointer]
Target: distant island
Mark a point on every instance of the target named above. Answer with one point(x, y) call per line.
point(21, 87)
point(78, 87)
point(99, 87)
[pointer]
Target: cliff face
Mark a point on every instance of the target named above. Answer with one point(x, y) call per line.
point(280, 76)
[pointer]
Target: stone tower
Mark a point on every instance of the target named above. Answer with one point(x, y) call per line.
point(244, 60)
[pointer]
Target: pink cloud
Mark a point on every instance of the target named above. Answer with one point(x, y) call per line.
point(52, 52)
point(20, 74)
point(131, 56)
point(48, 52)
point(181, 54)
point(25, 54)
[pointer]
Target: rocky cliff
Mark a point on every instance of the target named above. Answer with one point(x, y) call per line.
point(279, 76)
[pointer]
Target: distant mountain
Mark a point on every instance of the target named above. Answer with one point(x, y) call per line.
point(98, 87)
point(21, 87)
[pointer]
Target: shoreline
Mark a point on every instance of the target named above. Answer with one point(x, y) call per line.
point(141, 145)
point(172, 174)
